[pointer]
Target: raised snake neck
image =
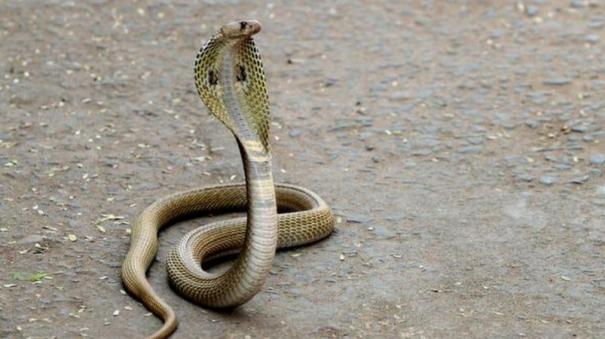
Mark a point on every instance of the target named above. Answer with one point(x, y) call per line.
point(230, 80)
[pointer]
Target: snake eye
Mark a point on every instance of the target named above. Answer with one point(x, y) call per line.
point(242, 25)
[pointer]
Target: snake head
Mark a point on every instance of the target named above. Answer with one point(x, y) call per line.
point(240, 29)
point(230, 80)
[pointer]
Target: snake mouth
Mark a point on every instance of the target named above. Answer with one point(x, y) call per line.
point(241, 28)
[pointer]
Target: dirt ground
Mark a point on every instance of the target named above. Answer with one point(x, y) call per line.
point(461, 144)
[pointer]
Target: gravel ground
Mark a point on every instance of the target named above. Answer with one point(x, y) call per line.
point(462, 146)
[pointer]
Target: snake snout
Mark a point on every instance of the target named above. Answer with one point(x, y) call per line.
point(240, 28)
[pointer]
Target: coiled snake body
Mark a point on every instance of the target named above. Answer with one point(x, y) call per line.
point(230, 79)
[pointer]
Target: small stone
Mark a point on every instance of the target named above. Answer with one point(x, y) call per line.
point(384, 232)
point(72, 237)
point(422, 152)
point(580, 128)
point(475, 140)
point(295, 133)
point(580, 180)
point(358, 218)
point(525, 177)
point(591, 38)
point(572, 145)
point(577, 3)
point(397, 96)
point(557, 81)
point(532, 11)
point(469, 149)
point(596, 24)
point(597, 159)
point(547, 180)
point(595, 172)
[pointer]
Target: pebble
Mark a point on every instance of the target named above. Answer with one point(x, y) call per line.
point(532, 11)
point(396, 96)
point(580, 180)
point(539, 98)
point(469, 149)
point(532, 124)
point(475, 140)
point(580, 128)
point(422, 152)
point(525, 177)
point(597, 159)
point(547, 180)
point(407, 107)
point(591, 38)
point(384, 232)
point(596, 24)
point(557, 81)
point(295, 133)
point(577, 3)
point(358, 218)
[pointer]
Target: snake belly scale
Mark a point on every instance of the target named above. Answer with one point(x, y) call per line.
point(230, 80)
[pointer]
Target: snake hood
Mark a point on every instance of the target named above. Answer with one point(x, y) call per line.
point(230, 80)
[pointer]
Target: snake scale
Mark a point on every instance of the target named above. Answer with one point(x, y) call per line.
point(230, 80)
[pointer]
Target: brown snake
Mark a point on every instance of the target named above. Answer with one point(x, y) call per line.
point(230, 79)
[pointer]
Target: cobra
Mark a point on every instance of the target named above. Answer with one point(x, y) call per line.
point(230, 80)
